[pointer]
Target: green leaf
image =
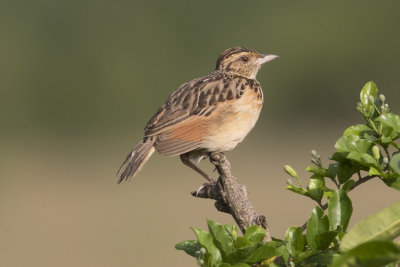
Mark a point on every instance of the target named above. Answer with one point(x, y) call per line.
point(222, 239)
point(347, 185)
point(384, 225)
point(189, 246)
point(332, 170)
point(345, 171)
point(294, 240)
point(245, 249)
point(255, 233)
point(364, 159)
point(231, 230)
point(370, 254)
point(324, 240)
point(317, 170)
point(353, 143)
point(372, 171)
point(369, 89)
point(339, 210)
point(395, 163)
point(386, 139)
point(316, 185)
point(317, 224)
point(206, 240)
point(318, 235)
point(284, 252)
point(391, 125)
point(359, 129)
point(266, 251)
point(297, 190)
point(321, 259)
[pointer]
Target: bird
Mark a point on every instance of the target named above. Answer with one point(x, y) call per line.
point(213, 113)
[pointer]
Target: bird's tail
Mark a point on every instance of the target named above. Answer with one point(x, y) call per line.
point(136, 159)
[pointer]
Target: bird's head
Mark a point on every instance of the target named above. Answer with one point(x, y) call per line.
point(242, 61)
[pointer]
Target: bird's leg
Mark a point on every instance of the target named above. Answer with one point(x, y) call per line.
point(186, 160)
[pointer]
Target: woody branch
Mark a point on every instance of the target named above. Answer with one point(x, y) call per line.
point(231, 196)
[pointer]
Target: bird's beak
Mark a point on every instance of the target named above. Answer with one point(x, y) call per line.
point(265, 58)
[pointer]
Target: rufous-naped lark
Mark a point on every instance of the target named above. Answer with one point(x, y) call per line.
point(213, 113)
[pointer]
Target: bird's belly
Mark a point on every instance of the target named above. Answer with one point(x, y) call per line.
point(232, 122)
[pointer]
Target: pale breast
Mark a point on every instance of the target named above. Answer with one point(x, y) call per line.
point(233, 120)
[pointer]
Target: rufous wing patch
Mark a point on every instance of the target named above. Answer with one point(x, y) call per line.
point(182, 137)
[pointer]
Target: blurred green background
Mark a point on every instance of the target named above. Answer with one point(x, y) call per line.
point(79, 80)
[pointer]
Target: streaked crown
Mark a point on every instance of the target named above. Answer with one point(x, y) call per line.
point(242, 61)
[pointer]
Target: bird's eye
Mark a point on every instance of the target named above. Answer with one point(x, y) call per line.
point(244, 59)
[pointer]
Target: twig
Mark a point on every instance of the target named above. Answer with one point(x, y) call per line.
point(362, 180)
point(231, 196)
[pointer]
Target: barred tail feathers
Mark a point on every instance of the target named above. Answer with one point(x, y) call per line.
point(136, 159)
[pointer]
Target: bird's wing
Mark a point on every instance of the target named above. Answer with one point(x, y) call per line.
point(181, 123)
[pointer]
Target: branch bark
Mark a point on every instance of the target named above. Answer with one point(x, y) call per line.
point(231, 196)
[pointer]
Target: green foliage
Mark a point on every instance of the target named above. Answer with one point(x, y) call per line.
point(385, 225)
point(366, 151)
point(224, 248)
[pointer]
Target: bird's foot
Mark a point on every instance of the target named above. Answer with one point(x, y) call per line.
point(204, 190)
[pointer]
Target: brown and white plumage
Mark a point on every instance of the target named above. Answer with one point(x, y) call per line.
point(209, 114)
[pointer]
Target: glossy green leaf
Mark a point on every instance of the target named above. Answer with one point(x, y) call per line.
point(332, 170)
point(317, 170)
point(294, 240)
point(347, 185)
point(317, 224)
point(384, 225)
point(297, 190)
point(324, 240)
point(242, 242)
point(359, 129)
point(391, 125)
point(222, 239)
point(339, 210)
point(316, 186)
point(353, 143)
point(283, 251)
point(255, 233)
point(372, 171)
point(345, 171)
point(245, 249)
point(395, 163)
point(364, 159)
point(231, 230)
point(206, 240)
point(321, 259)
point(263, 252)
point(370, 254)
point(386, 139)
point(369, 89)
point(189, 246)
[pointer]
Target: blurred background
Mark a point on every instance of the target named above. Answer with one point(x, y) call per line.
point(80, 79)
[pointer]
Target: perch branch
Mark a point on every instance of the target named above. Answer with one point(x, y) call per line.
point(231, 196)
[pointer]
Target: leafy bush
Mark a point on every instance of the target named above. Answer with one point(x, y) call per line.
point(365, 151)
